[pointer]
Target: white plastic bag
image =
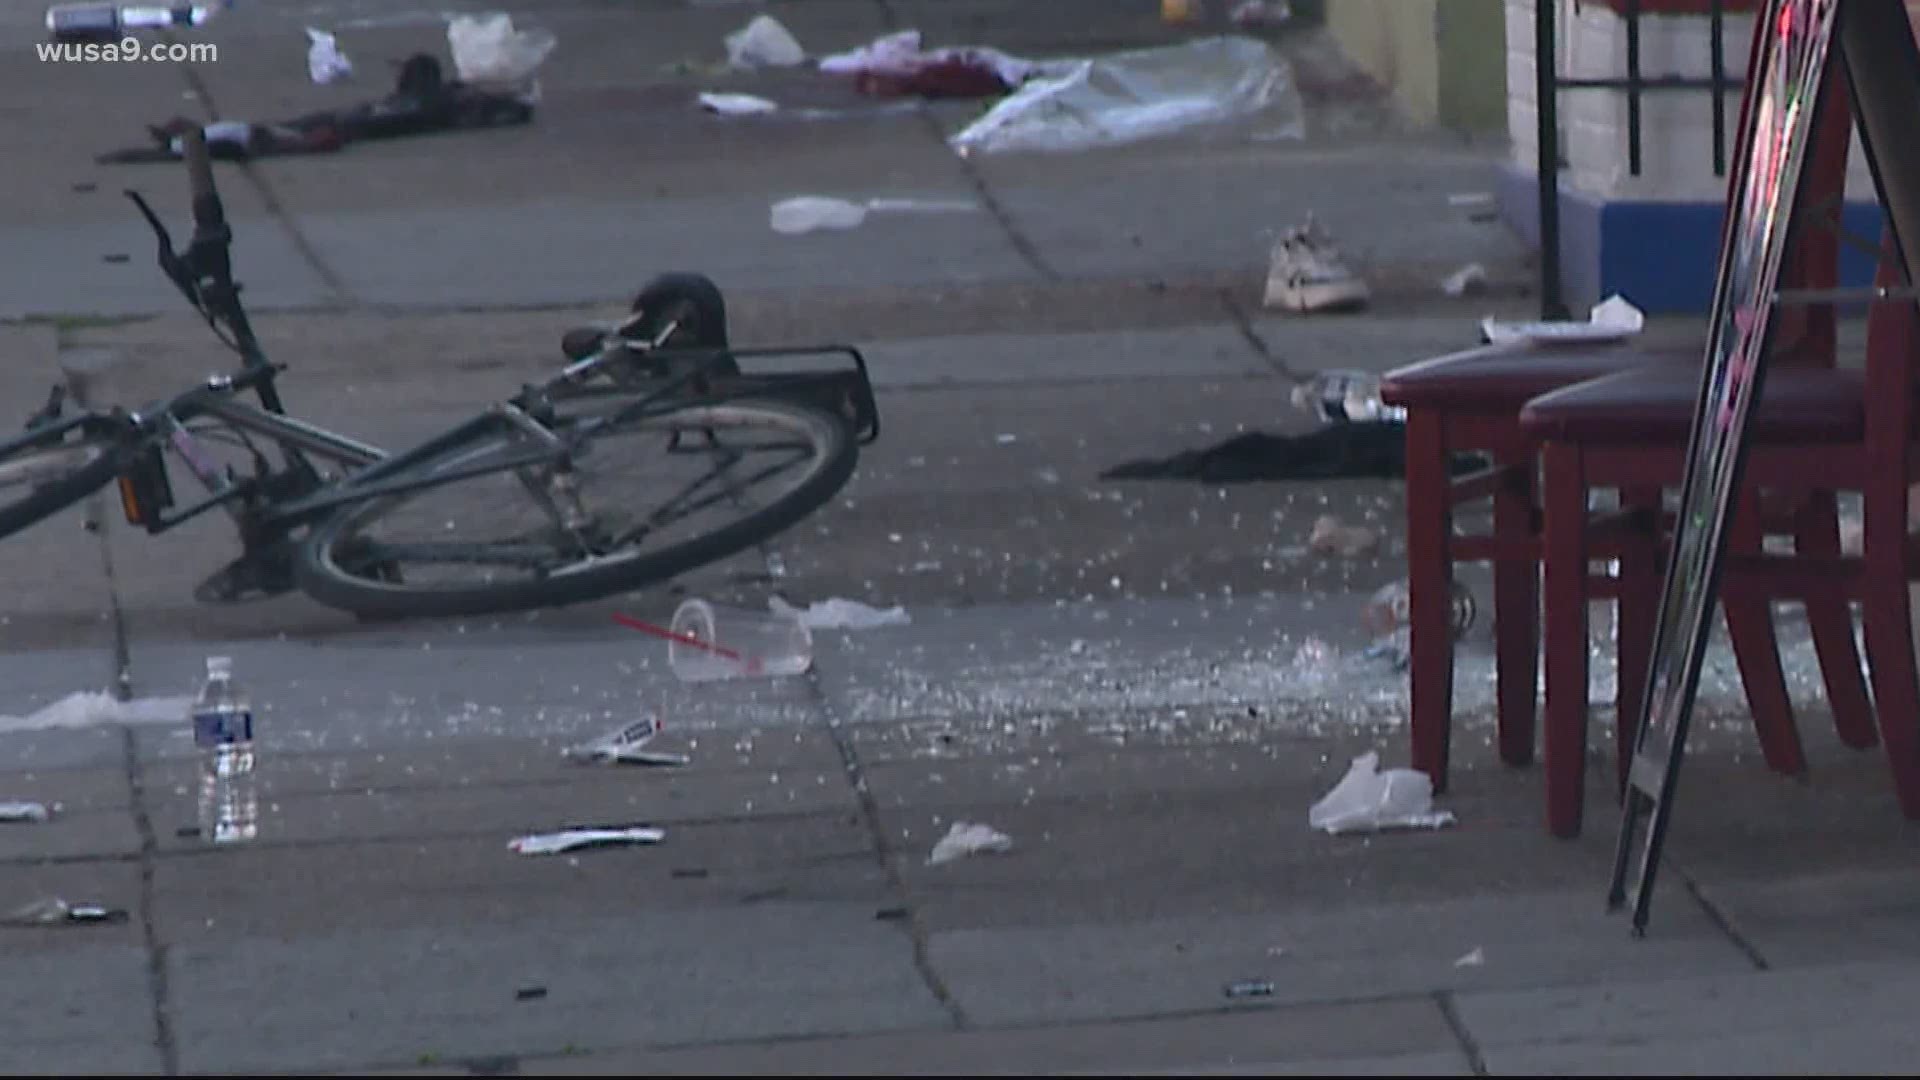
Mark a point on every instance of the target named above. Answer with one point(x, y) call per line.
point(1368, 800)
point(808, 213)
point(487, 49)
point(325, 62)
point(763, 43)
point(965, 839)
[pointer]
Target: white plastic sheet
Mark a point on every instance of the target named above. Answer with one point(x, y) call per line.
point(1130, 96)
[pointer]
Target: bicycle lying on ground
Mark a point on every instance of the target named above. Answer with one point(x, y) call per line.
point(541, 500)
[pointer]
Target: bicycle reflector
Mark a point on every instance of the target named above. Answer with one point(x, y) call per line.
point(144, 490)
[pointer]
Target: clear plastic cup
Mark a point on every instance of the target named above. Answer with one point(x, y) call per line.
point(713, 642)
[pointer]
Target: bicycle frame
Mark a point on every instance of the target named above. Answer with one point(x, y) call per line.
point(378, 473)
point(269, 503)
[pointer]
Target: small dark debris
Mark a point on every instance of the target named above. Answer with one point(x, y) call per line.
point(763, 895)
point(1356, 450)
point(116, 257)
point(86, 186)
point(1253, 711)
point(187, 832)
point(530, 993)
point(689, 871)
point(1247, 988)
point(891, 914)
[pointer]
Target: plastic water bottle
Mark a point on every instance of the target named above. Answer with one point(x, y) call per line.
point(1387, 610)
point(1343, 397)
point(223, 732)
point(107, 22)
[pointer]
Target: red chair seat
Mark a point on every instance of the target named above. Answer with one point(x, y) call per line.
point(1502, 378)
point(1656, 407)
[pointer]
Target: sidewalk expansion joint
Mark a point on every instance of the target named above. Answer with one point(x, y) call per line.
point(1725, 925)
point(1243, 322)
point(1029, 254)
point(1468, 1046)
point(156, 951)
point(883, 851)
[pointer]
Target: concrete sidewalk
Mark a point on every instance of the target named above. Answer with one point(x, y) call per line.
point(622, 176)
point(1145, 685)
point(788, 922)
point(1111, 674)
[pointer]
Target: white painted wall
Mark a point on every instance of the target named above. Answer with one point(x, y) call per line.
point(1676, 126)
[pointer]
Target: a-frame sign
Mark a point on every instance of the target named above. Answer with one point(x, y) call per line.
point(1875, 41)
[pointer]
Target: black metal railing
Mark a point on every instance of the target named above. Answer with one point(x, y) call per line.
point(1547, 87)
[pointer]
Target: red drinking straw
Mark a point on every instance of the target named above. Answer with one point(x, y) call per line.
point(674, 635)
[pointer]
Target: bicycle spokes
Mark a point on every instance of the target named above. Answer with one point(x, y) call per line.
point(617, 490)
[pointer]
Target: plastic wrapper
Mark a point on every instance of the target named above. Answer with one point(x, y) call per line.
point(589, 836)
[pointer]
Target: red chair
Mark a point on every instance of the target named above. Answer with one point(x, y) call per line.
point(1631, 431)
point(1470, 401)
point(1812, 432)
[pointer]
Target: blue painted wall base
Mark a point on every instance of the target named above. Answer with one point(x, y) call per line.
point(1659, 255)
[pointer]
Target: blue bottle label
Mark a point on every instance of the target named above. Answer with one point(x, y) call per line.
point(220, 727)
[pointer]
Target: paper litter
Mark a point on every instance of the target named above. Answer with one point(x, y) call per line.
point(1368, 800)
point(626, 746)
point(592, 836)
point(965, 839)
point(841, 614)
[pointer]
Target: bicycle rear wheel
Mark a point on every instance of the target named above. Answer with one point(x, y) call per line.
point(48, 473)
point(638, 502)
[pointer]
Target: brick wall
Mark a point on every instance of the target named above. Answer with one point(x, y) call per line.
point(1676, 126)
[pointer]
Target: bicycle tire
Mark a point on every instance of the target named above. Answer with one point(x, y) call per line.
point(47, 499)
point(321, 576)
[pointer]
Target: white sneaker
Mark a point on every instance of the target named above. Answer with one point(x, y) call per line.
point(1308, 274)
